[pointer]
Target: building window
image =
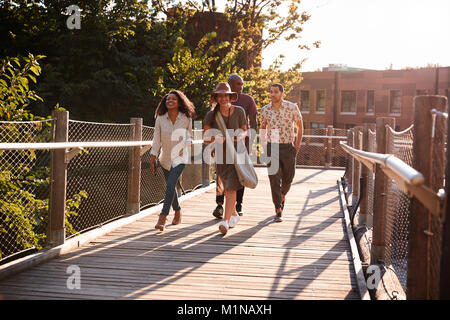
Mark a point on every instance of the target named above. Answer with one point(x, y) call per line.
point(370, 103)
point(421, 92)
point(348, 101)
point(349, 125)
point(395, 102)
point(317, 125)
point(304, 100)
point(320, 101)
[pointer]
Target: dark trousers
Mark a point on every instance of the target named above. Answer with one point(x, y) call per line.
point(281, 181)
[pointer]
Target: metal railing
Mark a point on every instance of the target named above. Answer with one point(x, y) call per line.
point(88, 174)
point(319, 148)
point(402, 173)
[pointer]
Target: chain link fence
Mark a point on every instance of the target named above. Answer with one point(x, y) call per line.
point(320, 148)
point(97, 178)
point(400, 144)
point(99, 174)
point(153, 186)
point(404, 234)
point(102, 173)
point(24, 188)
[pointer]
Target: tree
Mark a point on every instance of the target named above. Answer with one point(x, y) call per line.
point(15, 93)
point(23, 211)
point(127, 55)
point(250, 18)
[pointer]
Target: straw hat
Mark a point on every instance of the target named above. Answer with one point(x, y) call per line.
point(223, 87)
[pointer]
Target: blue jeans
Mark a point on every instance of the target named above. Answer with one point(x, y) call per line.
point(171, 197)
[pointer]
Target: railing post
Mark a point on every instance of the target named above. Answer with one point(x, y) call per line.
point(329, 148)
point(134, 168)
point(362, 218)
point(350, 160)
point(380, 196)
point(205, 169)
point(58, 180)
point(444, 284)
point(424, 230)
point(205, 166)
point(356, 165)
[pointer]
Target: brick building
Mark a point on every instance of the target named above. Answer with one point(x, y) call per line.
point(346, 97)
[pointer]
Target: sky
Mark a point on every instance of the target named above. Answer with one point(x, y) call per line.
point(370, 34)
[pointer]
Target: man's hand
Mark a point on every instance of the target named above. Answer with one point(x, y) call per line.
point(298, 141)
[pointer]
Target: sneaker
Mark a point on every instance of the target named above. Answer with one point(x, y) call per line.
point(218, 212)
point(278, 217)
point(233, 221)
point(223, 227)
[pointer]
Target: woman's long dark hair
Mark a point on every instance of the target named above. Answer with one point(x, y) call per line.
point(185, 105)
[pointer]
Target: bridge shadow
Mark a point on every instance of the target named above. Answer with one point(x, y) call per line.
point(305, 275)
point(158, 266)
point(309, 177)
point(134, 265)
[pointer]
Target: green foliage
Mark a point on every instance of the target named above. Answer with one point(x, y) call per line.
point(127, 54)
point(15, 93)
point(261, 79)
point(192, 72)
point(23, 175)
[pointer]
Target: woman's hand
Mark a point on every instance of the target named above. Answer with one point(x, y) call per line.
point(152, 164)
point(240, 136)
point(219, 139)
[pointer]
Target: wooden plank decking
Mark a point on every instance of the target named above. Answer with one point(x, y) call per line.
point(307, 256)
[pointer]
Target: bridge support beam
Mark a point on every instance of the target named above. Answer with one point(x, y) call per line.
point(444, 293)
point(380, 196)
point(329, 147)
point(134, 169)
point(425, 230)
point(58, 181)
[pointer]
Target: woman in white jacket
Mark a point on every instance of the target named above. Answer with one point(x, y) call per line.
point(172, 136)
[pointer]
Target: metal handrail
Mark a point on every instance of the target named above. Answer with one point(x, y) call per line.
point(407, 178)
point(403, 170)
point(71, 145)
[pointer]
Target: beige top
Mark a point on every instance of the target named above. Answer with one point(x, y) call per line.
point(280, 121)
point(171, 138)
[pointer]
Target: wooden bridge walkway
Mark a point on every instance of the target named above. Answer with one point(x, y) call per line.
point(307, 256)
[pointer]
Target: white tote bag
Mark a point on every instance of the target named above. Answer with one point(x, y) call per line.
point(245, 171)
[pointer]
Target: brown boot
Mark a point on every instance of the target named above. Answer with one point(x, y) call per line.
point(161, 222)
point(177, 218)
